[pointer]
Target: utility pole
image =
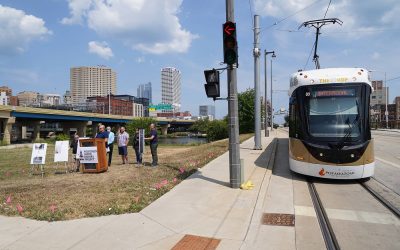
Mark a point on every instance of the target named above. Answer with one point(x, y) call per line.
point(233, 120)
point(266, 86)
point(272, 107)
point(257, 104)
point(386, 104)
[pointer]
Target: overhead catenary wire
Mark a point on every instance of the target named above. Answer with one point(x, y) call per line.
point(251, 13)
point(329, 4)
point(289, 16)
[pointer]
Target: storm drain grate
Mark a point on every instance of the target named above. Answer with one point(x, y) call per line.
point(194, 242)
point(278, 219)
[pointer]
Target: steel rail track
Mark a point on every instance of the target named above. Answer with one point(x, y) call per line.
point(380, 198)
point(331, 242)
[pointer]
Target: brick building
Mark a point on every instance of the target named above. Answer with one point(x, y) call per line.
point(100, 105)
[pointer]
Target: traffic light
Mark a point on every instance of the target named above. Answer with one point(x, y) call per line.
point(230, 43)
point(212, 85)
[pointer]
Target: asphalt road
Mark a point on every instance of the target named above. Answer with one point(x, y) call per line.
point(387, 159)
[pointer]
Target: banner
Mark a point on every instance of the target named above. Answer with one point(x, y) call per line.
point(61, 151)
point(39, 153)
point(88, 155)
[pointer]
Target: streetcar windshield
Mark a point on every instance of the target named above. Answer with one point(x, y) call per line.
point(333, 112)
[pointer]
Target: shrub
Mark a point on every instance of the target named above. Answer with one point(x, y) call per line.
point(62, 137)
point(217, 130)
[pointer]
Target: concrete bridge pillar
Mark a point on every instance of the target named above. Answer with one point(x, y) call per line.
point(164, 129)
point(36, 130)
point(7, 127)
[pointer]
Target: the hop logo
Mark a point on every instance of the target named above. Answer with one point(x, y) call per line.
point(322, 172)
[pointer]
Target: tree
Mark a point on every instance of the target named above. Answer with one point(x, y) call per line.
point(142, 122)
point(286, 121)
point(200, 126)
point(246, 111)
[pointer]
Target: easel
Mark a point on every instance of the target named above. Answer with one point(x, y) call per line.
point(41, 166)
point(65, 165)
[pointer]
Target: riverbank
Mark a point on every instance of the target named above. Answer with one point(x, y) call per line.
point(122, 189)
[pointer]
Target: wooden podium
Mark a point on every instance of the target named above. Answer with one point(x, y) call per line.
point(102, 164)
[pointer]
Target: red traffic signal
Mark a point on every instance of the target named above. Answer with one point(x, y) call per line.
point(230, 43)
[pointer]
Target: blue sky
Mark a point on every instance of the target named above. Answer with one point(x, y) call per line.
point(41, 40)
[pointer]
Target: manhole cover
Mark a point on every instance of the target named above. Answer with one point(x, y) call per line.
point(194, 242)
point(278, 219)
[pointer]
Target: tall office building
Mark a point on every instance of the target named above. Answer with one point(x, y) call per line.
point(91, 81)
point(171, 87)
point(207, 110)
point(145, 91)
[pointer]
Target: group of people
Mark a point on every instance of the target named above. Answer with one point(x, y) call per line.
point(123, 142)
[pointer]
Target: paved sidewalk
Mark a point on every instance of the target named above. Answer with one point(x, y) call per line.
point(202, 205)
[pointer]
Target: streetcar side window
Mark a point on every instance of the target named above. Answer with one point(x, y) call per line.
point(292, 117)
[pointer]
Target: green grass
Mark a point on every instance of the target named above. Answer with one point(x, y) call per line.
point(122, 189)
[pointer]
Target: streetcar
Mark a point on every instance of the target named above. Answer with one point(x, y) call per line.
point(329, 130)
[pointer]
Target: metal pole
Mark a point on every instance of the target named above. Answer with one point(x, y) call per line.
point(257, 105)
point(265, 95)
point(272, 107)
point(234, 153)
point(386, 104)
point(109, 102)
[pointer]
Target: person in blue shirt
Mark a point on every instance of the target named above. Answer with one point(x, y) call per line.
point(153, 144)
point(102, 133)
point(110, 144)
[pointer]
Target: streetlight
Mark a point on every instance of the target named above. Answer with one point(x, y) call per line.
point(265, 75)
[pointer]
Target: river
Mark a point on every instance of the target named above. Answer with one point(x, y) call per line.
point(181, 140)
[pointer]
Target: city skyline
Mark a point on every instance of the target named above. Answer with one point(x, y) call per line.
point(188, 35)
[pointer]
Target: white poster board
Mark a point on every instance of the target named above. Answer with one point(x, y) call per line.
point(61, 151)
point(39, 153)
point(78, 149)
point(88, 155)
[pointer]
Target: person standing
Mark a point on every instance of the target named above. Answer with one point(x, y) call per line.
point(74, 146)
point(110, 144)
point(136, 147)
point(123, 139)
point(102, 133)
point(153, 144)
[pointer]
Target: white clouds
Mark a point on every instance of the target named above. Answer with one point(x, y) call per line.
point(101, 49)
point(17, 29)
point(78, 9)
point(147, 26)
point(365, 15)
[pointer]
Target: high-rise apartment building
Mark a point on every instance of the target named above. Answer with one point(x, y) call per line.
point(145, 91)
point(91, 81)
point(171, 87)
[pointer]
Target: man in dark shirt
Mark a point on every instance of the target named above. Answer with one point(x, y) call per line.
point(102, 133)
point(153, 144)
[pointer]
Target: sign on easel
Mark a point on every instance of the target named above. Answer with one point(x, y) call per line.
point(39, 153)
point(61, 151)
